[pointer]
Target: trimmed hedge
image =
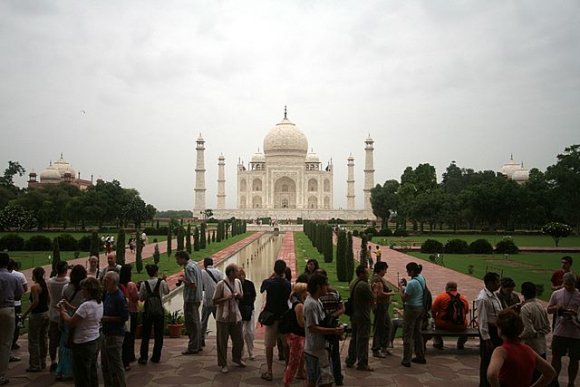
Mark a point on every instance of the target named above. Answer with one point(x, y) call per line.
point(12, 242)
point(480, 246)
point(506, 246)
point(400, 233)
point(67, 242)
point(456, 246)
point(432, 246)
point(38, 243)
point(84, 243)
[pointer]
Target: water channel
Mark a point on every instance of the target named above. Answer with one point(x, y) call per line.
point(257, 260)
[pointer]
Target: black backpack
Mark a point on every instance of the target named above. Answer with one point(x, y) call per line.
point(153, 307)
point(289, 323)
point(455, 310)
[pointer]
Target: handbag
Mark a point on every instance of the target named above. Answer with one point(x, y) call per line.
point(266, 318)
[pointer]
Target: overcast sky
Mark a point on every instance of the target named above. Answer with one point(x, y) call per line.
point(123, 88)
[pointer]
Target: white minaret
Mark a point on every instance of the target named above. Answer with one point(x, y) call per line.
point(199, 178)
point(369, 173)
point(221, 194)
point(350, 184)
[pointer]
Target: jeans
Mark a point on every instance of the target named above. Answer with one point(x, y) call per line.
point(193, 325)
point(412, 320)
point(6, 335)
point(334, 347)
point(85, 364)
point(358, 348)
point(382, 325)
point(158, 327)
point(112, 362)
point(38, 340)
point(395, 324)
point(206, 311)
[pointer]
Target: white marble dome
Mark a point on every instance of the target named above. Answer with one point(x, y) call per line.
point(50, 174)
point(285, 138)
point(258, 157)
point(64, 167)
point(312, 157)
point(510, 167)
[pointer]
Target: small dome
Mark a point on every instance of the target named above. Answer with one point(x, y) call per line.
point(521, 175)
point(64, 167)
point(510, 167)
point(50, 174)
point(286, 139)
point(258, 157)
point(312, 157)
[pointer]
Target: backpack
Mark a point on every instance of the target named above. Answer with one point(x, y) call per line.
point(455, 312)
point(153, 307)
point(289, 323)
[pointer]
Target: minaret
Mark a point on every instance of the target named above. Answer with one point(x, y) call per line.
point(369, 173)
point(199, 178)
point(221, 194)
point(350, 184)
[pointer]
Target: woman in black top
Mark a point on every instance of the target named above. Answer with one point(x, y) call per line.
point(38, 324)
point(246, 306)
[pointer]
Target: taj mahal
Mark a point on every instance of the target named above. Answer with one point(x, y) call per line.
point(286, 181)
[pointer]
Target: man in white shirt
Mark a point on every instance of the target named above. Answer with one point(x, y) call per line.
point(210, 277)
point(488, 306)
point(13, 267)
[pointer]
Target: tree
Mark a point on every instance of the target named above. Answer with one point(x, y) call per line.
point(564, 177)
point(188, 239)
point(196, 239)
point(14, 217)
point(169, 240)
point(120, 253)
point(95, 244)
point(556, 231)
point(138, 254)
point(14, 168)
point(363, 250)
point(349, 257)
point(202, 236)
point(55, 256)
point(384, 200)
point(180, 238)
point(341, 271)
point(156, 254)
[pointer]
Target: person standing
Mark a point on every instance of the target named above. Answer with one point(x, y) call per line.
point(277, 290)
point(378, 253)
point(38, 324)
point(360, 319)
point(506, 294)
point(192, 296)
point(93, 270)
point(295, 336)
point(10, 291)
point(247, 312)
point(13, 268)
point(111, 266)
point(227, 294)
point(115, 313)
point(557, 279)
point(55, 286)
point(86, 321)
point(131, 293)
point(382, 322)
point(565, 303)
point(412, 294)
point(449, 311)
point(535, 319)
point(157, 288)
point(488, 306)
point(210, 276)
point(316, 355)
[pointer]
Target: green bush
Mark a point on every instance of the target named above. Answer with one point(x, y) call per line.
point(400, 233)
point(370, 231)
point(38, 243)
point(12, 242)
point(431, 246)
point(67, 242)
point(506, 246)
point(480, 246)
point(355, 232)
point(456, 246)
point(84, 243)
point(384, 232)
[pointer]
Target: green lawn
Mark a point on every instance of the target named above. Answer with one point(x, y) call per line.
point(520, 240)
point(77, 235)
point(168, 266)
point(533, 267)
point(29, 259)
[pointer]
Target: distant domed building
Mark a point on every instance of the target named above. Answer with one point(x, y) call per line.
point(286, 181)
point(515, 171)
point(58, 172)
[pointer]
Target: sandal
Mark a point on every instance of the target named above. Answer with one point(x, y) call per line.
point(267, 376)
point(367, 368)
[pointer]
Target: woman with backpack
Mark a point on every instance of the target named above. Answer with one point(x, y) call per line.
point(131, 293)
point(151, 293)
point(294, 322)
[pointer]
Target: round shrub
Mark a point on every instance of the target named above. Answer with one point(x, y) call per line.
point(480, 246)
point(38, 243)
point(84, 243)
point(370, 231)
point(384, 232)
point(431, 246)
point(67, 242)
point(456, 246)
point(355, 232)
point(12, 242)
point(400, 233)
point(506, 246)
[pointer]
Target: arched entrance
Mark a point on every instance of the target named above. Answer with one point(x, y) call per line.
point(285, 193)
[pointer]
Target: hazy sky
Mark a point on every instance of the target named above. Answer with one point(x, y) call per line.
point(431, 81)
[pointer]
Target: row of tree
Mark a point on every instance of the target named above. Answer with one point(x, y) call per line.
point(482, 200)
point(63, 204)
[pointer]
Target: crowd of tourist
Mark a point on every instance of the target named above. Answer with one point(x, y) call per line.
point(75, 317)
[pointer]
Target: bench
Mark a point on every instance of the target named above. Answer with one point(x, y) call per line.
point(469, 332)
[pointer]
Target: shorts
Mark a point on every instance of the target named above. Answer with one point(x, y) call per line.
point(562, 346)
point(271, 334)
point(318, 370)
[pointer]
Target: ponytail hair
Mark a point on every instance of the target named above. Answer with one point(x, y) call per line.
point(414, 267)
point(38, 277)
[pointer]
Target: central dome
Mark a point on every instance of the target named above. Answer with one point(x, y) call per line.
point(285, 139)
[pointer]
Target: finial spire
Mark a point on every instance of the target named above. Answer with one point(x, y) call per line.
point(285, 112)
